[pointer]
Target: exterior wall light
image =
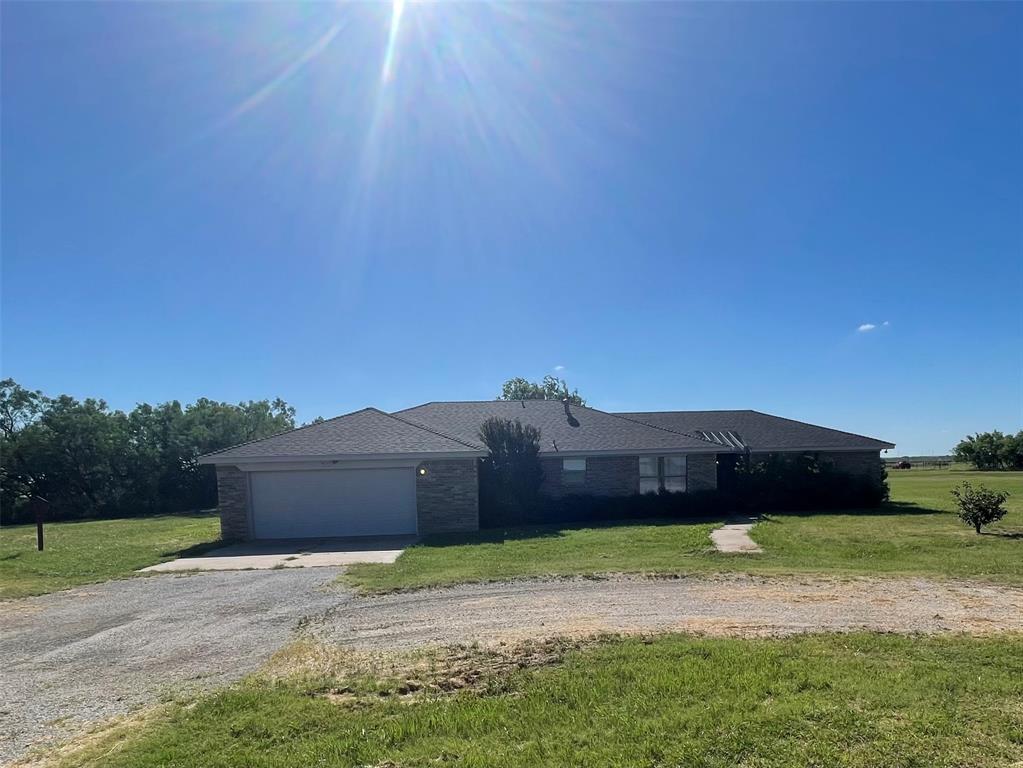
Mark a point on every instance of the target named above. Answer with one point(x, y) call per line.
point(422, 471)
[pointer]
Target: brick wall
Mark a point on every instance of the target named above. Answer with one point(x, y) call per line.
point(866, 463)
point(605, 476)
point(233, 503)
point(447, 496)
point(701, 472)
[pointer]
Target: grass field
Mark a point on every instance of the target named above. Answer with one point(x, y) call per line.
point(828, 700)
point(88, 551)
point(916, 534)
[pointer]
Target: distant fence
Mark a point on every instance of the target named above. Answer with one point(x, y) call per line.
point(923, 464)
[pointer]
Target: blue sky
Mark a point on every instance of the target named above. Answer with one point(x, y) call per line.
point(814, 210)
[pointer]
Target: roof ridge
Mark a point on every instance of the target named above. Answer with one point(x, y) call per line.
point(663, 429)
point(435, 431)
point(573, 405)
point(286, 431)
point(821, 426)
point(699, 410)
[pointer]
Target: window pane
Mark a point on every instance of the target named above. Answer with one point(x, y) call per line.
point(674, 466)
point(573, 478)
point(675, 484)
point(648, 467)
point(573, 465)
point(648, 485)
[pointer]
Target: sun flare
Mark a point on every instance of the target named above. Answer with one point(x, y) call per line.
point(397, 9)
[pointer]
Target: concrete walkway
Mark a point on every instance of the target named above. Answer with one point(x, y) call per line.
point(734, 537)
point(294, 553)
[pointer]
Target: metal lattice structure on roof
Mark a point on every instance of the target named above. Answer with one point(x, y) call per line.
point(726, 438)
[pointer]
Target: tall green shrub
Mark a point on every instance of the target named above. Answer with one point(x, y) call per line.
point(510, 476)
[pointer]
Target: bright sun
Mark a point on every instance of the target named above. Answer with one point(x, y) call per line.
point(397, 9)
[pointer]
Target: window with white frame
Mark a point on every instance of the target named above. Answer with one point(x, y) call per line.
point(662, 472)
point(573, 471)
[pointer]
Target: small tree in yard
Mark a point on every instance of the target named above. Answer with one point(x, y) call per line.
point(510, 476)
point(979, 506)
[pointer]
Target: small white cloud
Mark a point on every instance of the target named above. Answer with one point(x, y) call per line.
point(866, 327)
point(559, 368)
point(885, 323)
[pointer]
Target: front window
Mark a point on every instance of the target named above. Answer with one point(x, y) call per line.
point(662, 473)
point(573, 471)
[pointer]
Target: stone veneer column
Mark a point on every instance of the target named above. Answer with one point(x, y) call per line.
point(233, 503)
point(447, 496)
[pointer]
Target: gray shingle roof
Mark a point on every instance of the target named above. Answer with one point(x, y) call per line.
point(453, 428)
point(761, 431)
point(580, 430)
point(361, 433)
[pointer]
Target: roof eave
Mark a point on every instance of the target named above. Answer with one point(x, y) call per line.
point(830, 448)
point(223, 458)
point(637, 451)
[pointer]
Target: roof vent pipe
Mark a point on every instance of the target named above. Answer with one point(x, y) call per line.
point(564, 402)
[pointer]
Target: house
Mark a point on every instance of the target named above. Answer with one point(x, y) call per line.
point(372, 473)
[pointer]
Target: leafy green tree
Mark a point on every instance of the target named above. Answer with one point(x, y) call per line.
point(979, 506)
point(551, 388)
point(510, 476)
point(992, 450)
point(19, 407)
point(89, 460)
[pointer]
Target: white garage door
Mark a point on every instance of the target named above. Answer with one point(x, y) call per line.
point(336, 502)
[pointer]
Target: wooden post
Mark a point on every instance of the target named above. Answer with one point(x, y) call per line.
point(39, 507)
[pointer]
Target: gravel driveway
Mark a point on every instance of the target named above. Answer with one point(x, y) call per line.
point(719, 605)
point(97, 651)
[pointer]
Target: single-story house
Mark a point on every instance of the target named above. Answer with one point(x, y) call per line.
point(371, 473)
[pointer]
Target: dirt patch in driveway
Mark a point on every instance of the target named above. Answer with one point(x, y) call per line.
point(716, 605)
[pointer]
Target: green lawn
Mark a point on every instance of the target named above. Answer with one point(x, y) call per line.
point(538, 551)
point(916, 534)
point(88, 551)
point(828, 700)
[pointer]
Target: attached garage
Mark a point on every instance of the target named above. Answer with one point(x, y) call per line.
point(366, 473)
point(339, 502)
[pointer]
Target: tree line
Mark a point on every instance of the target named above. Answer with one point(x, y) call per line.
point(88, 460)
point(992, 450)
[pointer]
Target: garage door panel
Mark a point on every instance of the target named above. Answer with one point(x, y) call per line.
point(343, 502)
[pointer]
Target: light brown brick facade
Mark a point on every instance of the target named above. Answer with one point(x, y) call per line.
point(233, 503)
point(447, 496)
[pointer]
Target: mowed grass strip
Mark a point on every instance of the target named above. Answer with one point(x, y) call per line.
point(87, 551)
point(828, 700)
point(917, 534)
point(539, 551)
